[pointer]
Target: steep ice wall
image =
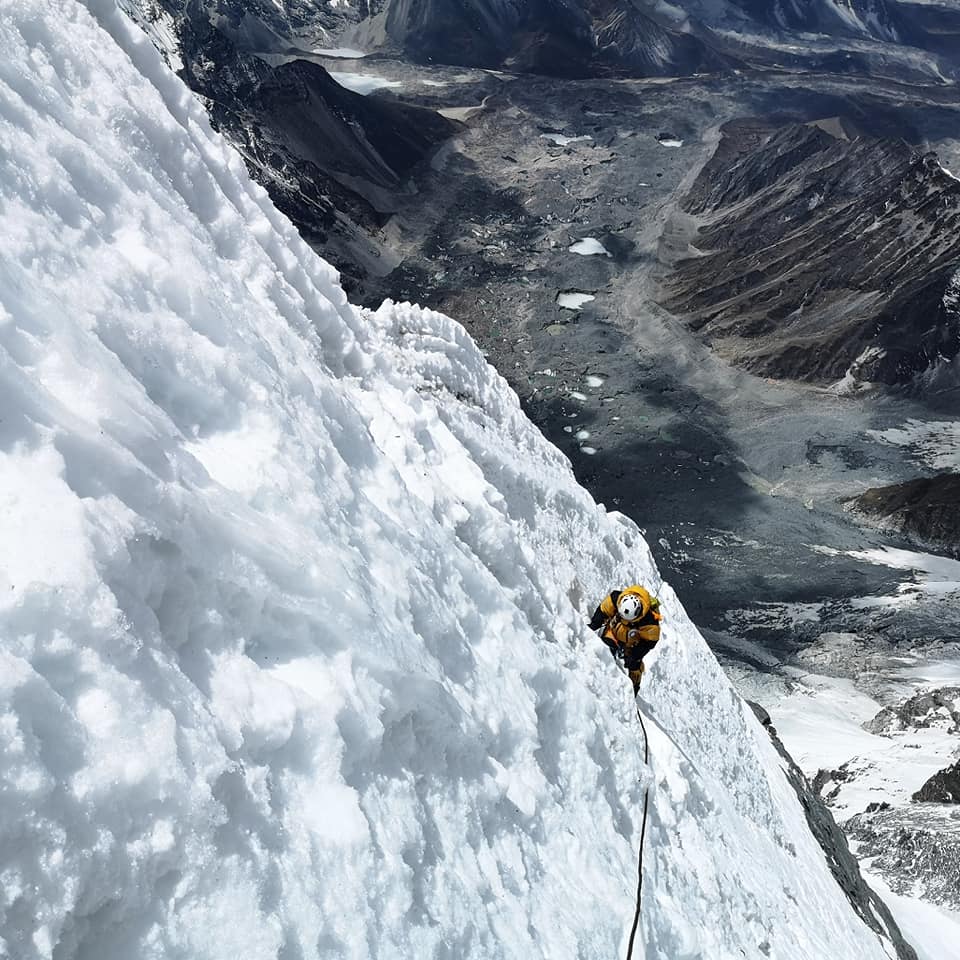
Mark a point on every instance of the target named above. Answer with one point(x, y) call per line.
point(292, 598)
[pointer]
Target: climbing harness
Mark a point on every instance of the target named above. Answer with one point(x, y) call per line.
point(643, 832)
point(610, 632)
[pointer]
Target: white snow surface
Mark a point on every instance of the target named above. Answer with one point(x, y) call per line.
point(932, 931)
point(883, 768)
point(930, 574)
point(935, 443)
point(292, 598)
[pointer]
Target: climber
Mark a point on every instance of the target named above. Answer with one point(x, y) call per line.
point(628, 622)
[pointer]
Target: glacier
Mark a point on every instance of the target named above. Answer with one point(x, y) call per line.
point(293, 598)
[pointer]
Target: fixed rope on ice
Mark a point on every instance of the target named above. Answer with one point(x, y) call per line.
point(628, 622)
point(643, 832)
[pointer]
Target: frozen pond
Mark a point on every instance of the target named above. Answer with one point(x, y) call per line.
point(561, 140)
point(363, 83)
point(462, 113)
point(572, 300)
point(340, 53)
point(588, 247)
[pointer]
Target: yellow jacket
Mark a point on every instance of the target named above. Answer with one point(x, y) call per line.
point(644, 629)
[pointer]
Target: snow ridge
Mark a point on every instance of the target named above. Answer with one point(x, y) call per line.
point(293, 595)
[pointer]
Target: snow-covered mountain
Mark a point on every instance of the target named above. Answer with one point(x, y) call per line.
point(293, 594)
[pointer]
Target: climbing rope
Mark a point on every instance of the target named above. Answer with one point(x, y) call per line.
point(643, 832)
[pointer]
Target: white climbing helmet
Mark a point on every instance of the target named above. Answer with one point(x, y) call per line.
point(629, 606)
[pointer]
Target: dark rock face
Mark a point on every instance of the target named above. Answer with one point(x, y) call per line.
point(827, 783)
point(942, 787)
point(821, 251)
point(375, 143)
point(871, 18)
point(267, 27)
point(938, 24)
point(927, 509)
point(852, 35)
point(647, 38)
point(551, 37)
point(332, 160)
point(846, 871)
point(762, 715)
point(632, 41)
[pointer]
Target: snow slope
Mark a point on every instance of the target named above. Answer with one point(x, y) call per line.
point(291, 595)
point(933, 931)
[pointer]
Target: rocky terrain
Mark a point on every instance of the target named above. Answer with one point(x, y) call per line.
point(882, 762)
point(733, 477)
point(819, 252)
point(926, 509)
point(911, 848)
